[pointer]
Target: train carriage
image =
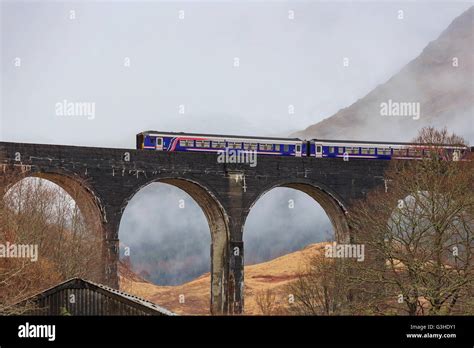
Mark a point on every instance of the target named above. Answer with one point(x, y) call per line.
point(212, 143)
point(386, 150)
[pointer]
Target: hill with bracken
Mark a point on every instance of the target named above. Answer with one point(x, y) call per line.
point(272, 275)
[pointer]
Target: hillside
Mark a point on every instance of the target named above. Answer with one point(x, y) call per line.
point(273, 274)
point(440, 79)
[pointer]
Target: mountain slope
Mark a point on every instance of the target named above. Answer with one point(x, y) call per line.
point(273, 275)
point(444, 91)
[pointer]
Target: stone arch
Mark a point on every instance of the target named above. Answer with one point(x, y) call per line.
point(80, 191)
point(331, 203)
point(218, 221)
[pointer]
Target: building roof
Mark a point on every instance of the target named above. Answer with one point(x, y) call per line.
point(79, 283)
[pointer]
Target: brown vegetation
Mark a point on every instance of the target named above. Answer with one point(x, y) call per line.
point(36, 213)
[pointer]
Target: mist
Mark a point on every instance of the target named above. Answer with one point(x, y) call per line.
point(167, 236)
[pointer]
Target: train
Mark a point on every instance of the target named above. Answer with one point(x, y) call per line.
point(295, 147)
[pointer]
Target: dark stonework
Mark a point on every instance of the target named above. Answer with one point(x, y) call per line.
point(103, 180)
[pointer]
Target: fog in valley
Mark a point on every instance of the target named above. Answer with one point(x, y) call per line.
point(171, 244)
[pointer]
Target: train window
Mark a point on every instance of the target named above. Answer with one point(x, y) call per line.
point(277, 147)
point(364, 151)
point(399, 152)
point(234, 145)
point(246, 146)
point(207, 143)
point(331, 149)
point(286, 148)
point(159, 141)
point(215, 144)
point(182, 143)
point(372, 151)
point(340, 150)
point(253, 146)
point(384, 151)
point(199, 143)
point(352, 150)
point(319, 149)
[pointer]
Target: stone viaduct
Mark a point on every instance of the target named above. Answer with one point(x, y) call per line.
point(103, 180)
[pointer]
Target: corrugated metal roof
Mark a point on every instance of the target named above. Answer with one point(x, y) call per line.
point(102, 288)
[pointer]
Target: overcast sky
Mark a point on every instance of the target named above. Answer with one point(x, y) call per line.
point(190, 62)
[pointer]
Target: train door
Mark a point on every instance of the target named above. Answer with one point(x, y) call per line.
point(159, 144)
point(298, 150)
point(319, 150)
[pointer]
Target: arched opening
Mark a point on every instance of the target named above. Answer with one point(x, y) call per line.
point(53, 231)
point(165, 227)
point(287, 223)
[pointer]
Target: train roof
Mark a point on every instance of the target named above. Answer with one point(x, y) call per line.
point(220, 135)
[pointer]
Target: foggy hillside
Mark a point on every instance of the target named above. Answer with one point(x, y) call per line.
point(440, 79)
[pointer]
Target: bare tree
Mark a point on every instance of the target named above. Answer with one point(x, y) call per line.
point(319, 289)
point(266, 301)
point(418, 235)
point(34, 212)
